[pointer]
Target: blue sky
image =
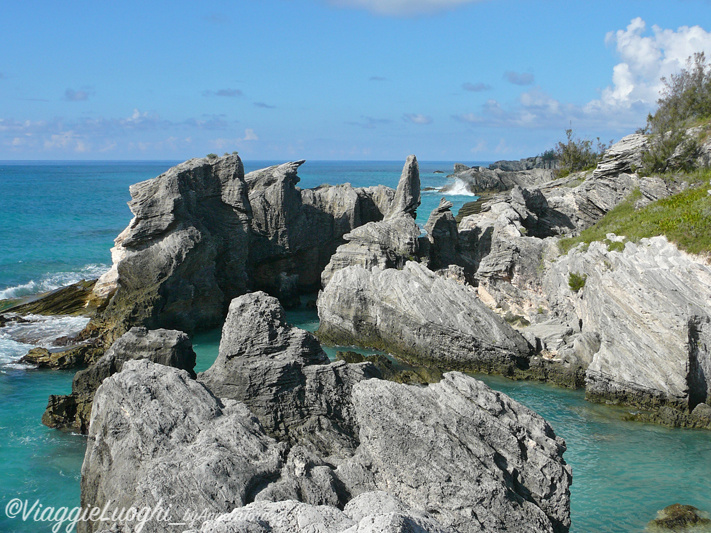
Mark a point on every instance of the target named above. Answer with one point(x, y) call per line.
point(464, 80)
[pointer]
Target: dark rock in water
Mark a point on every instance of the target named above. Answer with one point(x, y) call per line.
point(70, 300)
point(157, 435)
point(170, 348)
point(43, 358)
point(678, 517)
point(418, 316)
point(438, 172)
point(459, 167)
point(284, 377)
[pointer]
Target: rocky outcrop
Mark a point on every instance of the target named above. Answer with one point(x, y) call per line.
point(203, 233)
point(284, 377)
point(158, 438)
point(295, 232)
point(528, 163)
point(480, 179)
point(372, 512)
point(181, 258)
point(649, 305)
point(443, 237)
point(419, 316)
point(389, 243)
point(165, 347)
point(625, 156)
point(407, 195)
point(454, 456)
point(473, 457)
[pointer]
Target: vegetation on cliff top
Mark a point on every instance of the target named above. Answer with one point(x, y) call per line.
point(684, 218)
point(685, 102)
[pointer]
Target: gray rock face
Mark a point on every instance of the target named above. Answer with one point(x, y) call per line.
point(417, 315)
point(443, 237)
point(165, 347)
point(407, 195)
point(282, 374)
point(472, 456)
point(295, 232)
point(650, 307)
point(181, 258)
point(480, 179)
point(203, 233)
point(372, 512)
point(528, 163)
point(157, 434)
point(623, 156)
point(387, 244)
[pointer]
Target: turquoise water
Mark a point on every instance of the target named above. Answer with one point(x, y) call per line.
point(59, 221)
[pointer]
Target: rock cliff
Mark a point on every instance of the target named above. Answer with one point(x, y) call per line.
point(420, 316)
point(166, 347)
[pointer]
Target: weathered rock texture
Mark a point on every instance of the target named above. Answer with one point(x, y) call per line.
point(454, 456)
point(419, 316)
point(650, 305)
point(157, 434)
point(203, 233)
point(407, 195)
point(284, 377)
point(371, 512)
point(475, 458)
point(166, 347)
point(480, 179)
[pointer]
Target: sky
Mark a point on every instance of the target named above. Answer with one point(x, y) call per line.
point(447, 80)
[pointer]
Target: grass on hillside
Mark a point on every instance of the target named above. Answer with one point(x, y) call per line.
point(684, 218)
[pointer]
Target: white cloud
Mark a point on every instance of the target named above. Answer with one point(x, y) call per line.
point(70, 95)
point(402, 7)
point(645, 59)
point(416, 118)
point(249, 135)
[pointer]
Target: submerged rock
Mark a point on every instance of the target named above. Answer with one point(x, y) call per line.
point(679, 517)
point(419, 316)
point(165, 347)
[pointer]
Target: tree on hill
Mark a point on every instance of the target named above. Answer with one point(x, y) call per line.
point(685, 101)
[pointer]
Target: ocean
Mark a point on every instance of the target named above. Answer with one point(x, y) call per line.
point(59, 220)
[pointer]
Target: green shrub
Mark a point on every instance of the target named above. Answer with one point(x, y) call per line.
point(578, 154)
point(684, 218)
point(576, 281)
point(211, 156)
point(684, 101)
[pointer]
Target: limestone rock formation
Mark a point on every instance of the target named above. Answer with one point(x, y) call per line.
point(387, 244)
point(157, 435)
point(371, 512)
point(417, 315)
point(182, 257)
point(284, 377)
point(480, 179)
point(165, 347)
point(443, 237)
point(473, 457)
point(625, 156)
point(650, 306)
point(407, 195)
point(203, 233)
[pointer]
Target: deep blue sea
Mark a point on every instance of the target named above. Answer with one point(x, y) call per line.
point(58, 223)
